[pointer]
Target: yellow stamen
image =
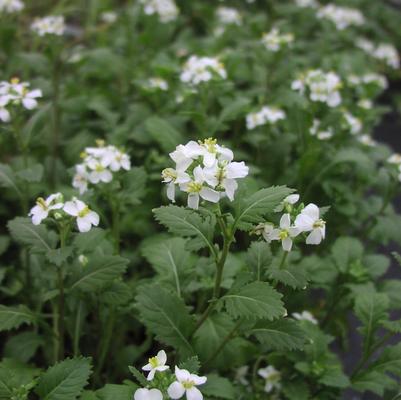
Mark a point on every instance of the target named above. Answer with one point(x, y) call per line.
point(153, 361)
point(194, 187)
point(15, 81)
point(41, 203)
point(283, 234)
point(84, 212)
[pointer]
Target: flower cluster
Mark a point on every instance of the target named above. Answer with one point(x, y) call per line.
point(266, 114)
point(274, 40)
point(323, 87)
point(11, 6)
point(321, 134)
point(228, 16)
point(368, 79)
point(342, 17)
point(54, 205)
point(307, 3)
point(203, 170)
point(202, 69)
point(272, 378)
point(157, 83)
point(167, 10)
point(185, 383)
point(16, 93)
point(98, 165)
point(294, 222)
point(50, 25)
point(383, 52)
point(305, 316)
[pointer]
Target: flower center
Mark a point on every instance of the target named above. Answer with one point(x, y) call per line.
point(84, 212)
point(169, 174)
point(15, 81)
point(41, 203)
point(194, 187)
point(154, 362)
point(188, 384)
point(210, 145)
point(99, 168)
point(319, 223)
point(283, 234)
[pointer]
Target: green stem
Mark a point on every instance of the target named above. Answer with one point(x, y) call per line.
point(283, 259)
point(115, 209)
point(55, 143)
point(105, 343)
point(227, 338)
point(77, 329)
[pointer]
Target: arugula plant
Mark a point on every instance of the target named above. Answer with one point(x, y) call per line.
point(193, 204)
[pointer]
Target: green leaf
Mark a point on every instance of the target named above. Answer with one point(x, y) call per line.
point(283, 334)
point(14, 316)
point(191, 364)
point(163, 133)
point(8, 179)
point(99, 272)
point(59, 256)
point(389, 360)
point(376, 264)
point(291, 275)
point(170, 260)
point(188, 224)
point(166, 316)
point(115, 392)
point(259, 259)
point(32, 174)
point(23, 346)
point(138, 376)
point(255, 300)
point(333, 376)
point(88, 241)
point(35, 236)
point(218, 387)
point(346, 250)
point(64, 380)
point(392, 287)
point(251, 210)
point(374, 381)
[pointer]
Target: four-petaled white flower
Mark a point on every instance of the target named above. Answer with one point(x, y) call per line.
point(202, 69)
point(285, 233)
point(50, 25)
point(272, 378)
point(84, 215)
point(309, 221)
point(148, 394)
point(186, 384)
point(157, 363)
point(43, 207)
point(274, 40)
point(305, 316)
point(267, 114)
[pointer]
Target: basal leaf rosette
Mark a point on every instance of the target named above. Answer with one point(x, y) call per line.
point(204, 170)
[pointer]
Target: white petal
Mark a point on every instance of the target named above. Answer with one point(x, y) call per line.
point(171, 192)
point(71, 208)
point(93, 218)
point(147, 367)
point(176, 390)
point(292, 198)
point(315, 237)
point(236, 170)
point(83, 225)
point(209, 159)
point(287, 244)
point(193, 201)
point(4, 115)
point(141, 394)
point(151, 375)
point(182, 374)
point(304, 223)
point(29, 104)
point(198, 380)
point(155, 394)
point(293, 231)
point(312, 211)
point(231, 186)
point(210, 195)
point(162, 357)
point(194, 394)
point(285, 221)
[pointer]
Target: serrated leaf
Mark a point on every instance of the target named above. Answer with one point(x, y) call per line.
point(333, 376)
point(218, 387)
point(188, 224)
point(8, 179)
point(14, 316)
point(191, 364)
point(389, 360)
point(32, 174)
point(291, 275)
point(36, 236)
point(89, 240)
point(115, 392)
point(99, 272)
point(166, 316)
point(59, 256)
point(163, 133)
point(64, 380)
point(255, 300)
point(252, 209)
point(346, 250)
point(373, 381)
point(259, 258)
point(283, 334)
point(170, 259)
point(138, 376)
point(23, 346)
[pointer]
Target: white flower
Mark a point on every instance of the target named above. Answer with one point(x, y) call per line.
point(84, 215)
point(395, 159)
point(366, 140)
point(323, 87)
point(186, 384)
point(353, 123)
point(166, 9)
point(285, 233)
point(240, 375)
point(15, 93)
point(50, 25)
point(203, 170)
point(202, 69)
point(366, 104)
point(98, 171)
point(108, 17)
point(4, 113)
point(158, 83)
point(228, 16)
point(305, 316)
point(272, 378)
point(387, 53)
point(267, 114)
point(274, 40)
point(365, 45)
point(11, 6)
point(320, 134)
point(309, 221)
point(289, 201)
point(157, 363)
point(83, 260)
point(342, 17)
point(43, 207)
point(307, 3)
point(148, 394)
point(80, 180)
